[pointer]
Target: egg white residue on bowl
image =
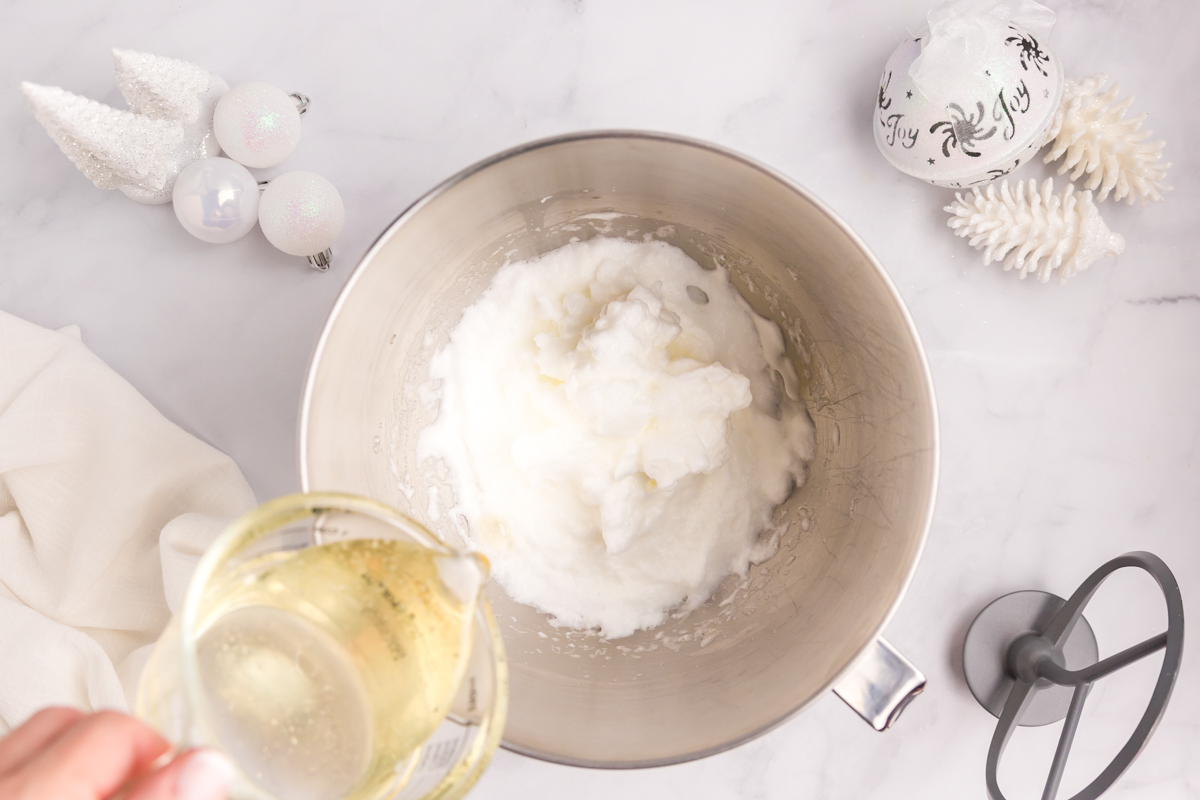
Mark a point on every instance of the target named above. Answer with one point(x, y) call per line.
point(618, 427)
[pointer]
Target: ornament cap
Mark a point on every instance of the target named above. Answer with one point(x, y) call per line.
point(321, 260)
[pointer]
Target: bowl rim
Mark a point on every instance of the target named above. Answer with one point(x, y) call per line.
point(670, 138)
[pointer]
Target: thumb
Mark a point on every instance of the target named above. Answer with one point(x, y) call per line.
point(201, 774)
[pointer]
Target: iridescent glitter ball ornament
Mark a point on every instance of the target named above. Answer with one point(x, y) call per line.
point(258, 125)
point(216, 200)
point(302, 214)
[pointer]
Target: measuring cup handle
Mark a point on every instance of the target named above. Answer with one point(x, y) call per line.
point(880, 685)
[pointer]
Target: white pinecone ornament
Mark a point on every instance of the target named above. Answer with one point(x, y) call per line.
point(143, 150)
point(1090, 130)
point(1034, 230)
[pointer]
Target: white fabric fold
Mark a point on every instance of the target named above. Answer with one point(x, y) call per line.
point(105, 508)
point(958, 41)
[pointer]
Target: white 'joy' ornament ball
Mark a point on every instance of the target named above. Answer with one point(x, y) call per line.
point(257, 124)
point(216, 200)
point(301, 213)
point(972, 96)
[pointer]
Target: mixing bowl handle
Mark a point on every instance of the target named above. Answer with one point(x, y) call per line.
point(880, 685)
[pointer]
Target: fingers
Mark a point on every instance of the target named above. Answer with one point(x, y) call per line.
point(91, 759)
point(35, 734)
point(64, 754)
point(195, 775)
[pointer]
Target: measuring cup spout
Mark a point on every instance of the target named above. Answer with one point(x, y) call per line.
point(463, 576)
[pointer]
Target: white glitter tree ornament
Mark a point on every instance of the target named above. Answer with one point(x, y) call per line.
point(1034, 230)
point(140, 151)
point(1090, 130)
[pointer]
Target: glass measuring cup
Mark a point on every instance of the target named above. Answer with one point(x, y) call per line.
point(333, 648)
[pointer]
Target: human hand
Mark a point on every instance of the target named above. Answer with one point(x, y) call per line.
point(64, 754)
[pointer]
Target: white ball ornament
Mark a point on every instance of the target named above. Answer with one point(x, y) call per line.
point(971, 97)
point(302, 214)
point(216, 200)
point(257, 125)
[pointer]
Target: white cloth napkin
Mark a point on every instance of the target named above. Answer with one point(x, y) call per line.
point(105, 508)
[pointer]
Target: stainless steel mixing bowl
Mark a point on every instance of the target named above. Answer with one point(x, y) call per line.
point(808, 618)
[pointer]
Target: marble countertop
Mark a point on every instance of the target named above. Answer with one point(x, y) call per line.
point(1070, 415)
